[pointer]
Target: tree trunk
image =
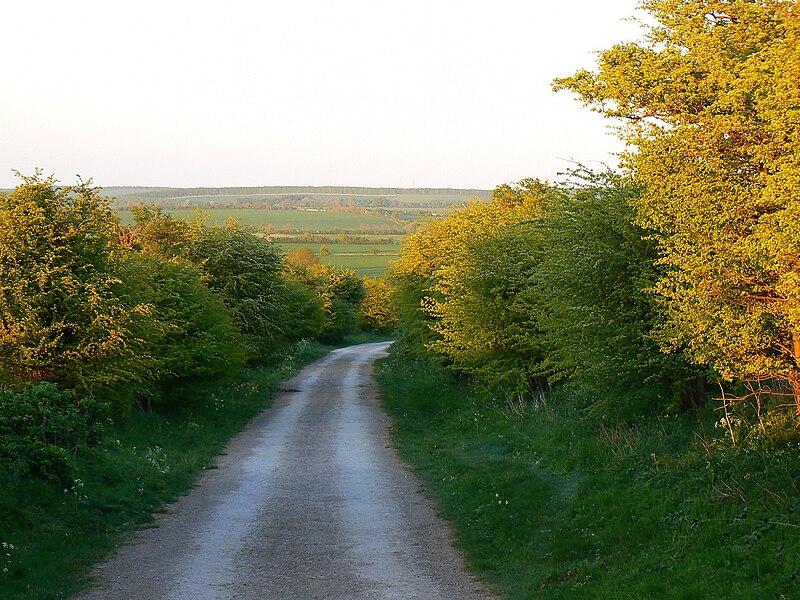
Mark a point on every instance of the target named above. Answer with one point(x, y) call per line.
point(796, 380)
point(693, 396)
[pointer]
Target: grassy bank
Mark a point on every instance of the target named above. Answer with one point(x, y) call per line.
point(555, 501)
point(51, 534)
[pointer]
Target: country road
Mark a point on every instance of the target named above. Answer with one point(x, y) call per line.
point(308, 502)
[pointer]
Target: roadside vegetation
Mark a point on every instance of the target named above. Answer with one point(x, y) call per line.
point(129, 354)
point(558, 500)
point(598, 380)
point(617, 356)
point(361, 239)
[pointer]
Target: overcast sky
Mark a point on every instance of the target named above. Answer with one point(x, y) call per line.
point(426, 93)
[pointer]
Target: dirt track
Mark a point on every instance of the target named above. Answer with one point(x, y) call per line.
point(308, 502)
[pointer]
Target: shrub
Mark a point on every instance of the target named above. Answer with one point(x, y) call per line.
point(185, 333)
point(61, 318)
point(42, 427)
point(246, 271)
point(341, 292)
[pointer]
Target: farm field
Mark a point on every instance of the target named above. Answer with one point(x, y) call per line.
point(289, 239)
point(364, 264)
point(344, 248)
point(359, 257)
point(314, 221)
point(392, 198)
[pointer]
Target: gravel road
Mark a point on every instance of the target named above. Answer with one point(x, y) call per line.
point(308, 502)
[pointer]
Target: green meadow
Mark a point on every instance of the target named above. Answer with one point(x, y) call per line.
point(364, 264)
point(367, 259)
point(393, 198)
point(304, 220)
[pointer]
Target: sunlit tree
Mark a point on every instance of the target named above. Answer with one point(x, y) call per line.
point(60, 317)
point(448, 299)
point(377, 311)
point(710, 105)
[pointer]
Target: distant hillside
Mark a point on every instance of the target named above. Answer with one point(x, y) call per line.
point(295, 197)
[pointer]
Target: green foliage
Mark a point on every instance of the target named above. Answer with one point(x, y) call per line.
point(437, 265)
point(246, 271)
point(304, 314)
point(377, 312)
point(712, 107)
point(160, 234)
point(490, 318)
point(554, 501)
point(186, 333)
point(341, 292)
point(60, 319)
point(595, 267)
point(42, 427)
point(149, 315)
point(541, 284)
point(481, 326)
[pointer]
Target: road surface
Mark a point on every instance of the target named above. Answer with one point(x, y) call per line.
point(308, 502)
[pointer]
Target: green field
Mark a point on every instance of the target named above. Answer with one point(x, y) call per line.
point(293, 196)
point(354, 256)
point(365, 264)
point(292, 239)
point(313, 221)
point(344, 248)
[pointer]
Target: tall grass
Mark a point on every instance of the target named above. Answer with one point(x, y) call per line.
point(556, 500)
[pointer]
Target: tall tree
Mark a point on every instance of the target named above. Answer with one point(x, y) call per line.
point(710, 105)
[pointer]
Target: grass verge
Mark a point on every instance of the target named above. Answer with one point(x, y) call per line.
point(559, 501)
point(50, 535)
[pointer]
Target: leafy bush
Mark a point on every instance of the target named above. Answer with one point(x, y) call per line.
point(458, 288)
point(185, 333)
point(341, 292)
point(62, 320)
point(541, 284)
point(303, 312)
point(159, 234)
point(246, 271)
point(596, 266)
point(42, 427)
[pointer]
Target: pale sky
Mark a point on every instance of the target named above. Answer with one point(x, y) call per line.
point(425, 93)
